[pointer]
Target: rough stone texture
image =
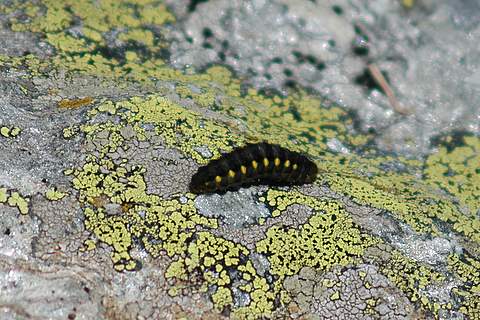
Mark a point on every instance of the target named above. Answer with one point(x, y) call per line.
point(360, 292)
point(100, 134)
point(326, 45)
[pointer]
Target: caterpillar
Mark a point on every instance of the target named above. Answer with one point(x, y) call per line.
point(254, 164)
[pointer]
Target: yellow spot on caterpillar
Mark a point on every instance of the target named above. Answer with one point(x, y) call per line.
point(265, 162)
point(218, 179)
point(243, 169)
point(231, 173)
point(287, 164)
point(277, 162)
point(295, 166)
point(254, 165)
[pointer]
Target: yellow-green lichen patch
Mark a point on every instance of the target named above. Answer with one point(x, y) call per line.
point(368, 193)
point(408, 4)
point(328, 238)
point(114, 232)
point(335, 296)
point(53, 194)
point(16, 200)
point(32, 63)
point(131, 20)
point(5, 131)
point(15, 131)
point(468, 294)
point(3, 195)
point(212, 256)
point(107, 136)
point(159, 224)
point(168, 226)
point(162, 235)
point(222, 297)
point(71, 131)
point(215, 257)
point(175, 233)
point(178, 127)
point(457, 171)
point(54, 19)
point(413, 279)
point(298, 122)
point(416, 202)
point(10, 132)
point(144, 36)
point(109, 14)
point(370, 306)
point(450, 191)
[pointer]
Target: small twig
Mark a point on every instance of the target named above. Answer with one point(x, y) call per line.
point(382, 82)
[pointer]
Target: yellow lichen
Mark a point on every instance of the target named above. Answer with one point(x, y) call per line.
point(143, 36)
point(10, 132)
point(5, 131)
point(329, 238)
point(412, 278)
point(458, 172)
point(15, 131)
point(408, 3)
point(222, 297)
point(335, 296)
point(53, 194)
point(298, 122)
point(467, 269)
point(16, 200)
point(3, 195)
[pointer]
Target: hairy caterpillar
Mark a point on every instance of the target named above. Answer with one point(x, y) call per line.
point(254, 164)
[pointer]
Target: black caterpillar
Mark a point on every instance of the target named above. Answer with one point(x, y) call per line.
point(254, 164)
